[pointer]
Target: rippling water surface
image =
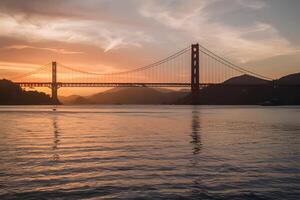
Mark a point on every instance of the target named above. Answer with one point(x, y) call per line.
point(149, 152)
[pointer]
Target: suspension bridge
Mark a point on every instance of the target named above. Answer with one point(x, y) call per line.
point(194, 67)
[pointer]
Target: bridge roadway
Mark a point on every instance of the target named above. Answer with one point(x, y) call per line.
point(65, 84)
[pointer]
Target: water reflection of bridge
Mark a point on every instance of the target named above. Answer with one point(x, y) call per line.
point(196, 132)
point(56, 139)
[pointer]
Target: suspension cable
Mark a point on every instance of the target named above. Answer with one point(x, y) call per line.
point(30, 73)
point(230, 64)
point(173, 56)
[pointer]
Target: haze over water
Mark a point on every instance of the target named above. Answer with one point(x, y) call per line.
point(161, 152)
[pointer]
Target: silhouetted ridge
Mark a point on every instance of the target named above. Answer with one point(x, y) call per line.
point(248, 90)
point(290, 79)
point(246, 80)
point(137, 95)
point(73, 99)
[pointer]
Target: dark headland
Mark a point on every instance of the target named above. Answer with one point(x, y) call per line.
point(13, 94)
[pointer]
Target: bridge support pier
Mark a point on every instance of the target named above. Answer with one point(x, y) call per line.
point(195, 87)
point(54, 86)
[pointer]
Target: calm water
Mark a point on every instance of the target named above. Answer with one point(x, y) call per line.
point(149, 152)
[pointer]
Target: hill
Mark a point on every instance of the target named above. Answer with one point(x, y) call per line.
point(72, 99)
point(248, 95)
point(12, 94)
point(137, 95)
point(255, 91)
point(246, 80)
point(290, 79)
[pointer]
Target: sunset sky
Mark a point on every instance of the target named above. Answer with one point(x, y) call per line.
point(114, 35)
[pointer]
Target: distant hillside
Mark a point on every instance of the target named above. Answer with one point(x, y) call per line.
point(247, 95)
point(138, 95)
point(73, 99)
point(224, 94)
point(12, 94)
point(246, 80)
point(290, 79)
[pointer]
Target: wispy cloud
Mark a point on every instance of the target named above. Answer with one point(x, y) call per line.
point(101, 34)
point(254, 4)
point(11, 68)
point(60, 51)
point(255, 42)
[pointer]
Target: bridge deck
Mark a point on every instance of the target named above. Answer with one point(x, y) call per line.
point(59, 84)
